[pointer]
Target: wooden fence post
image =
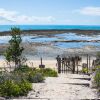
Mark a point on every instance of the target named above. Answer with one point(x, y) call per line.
point(59, 63)
point(77, 59)
point(87, 63)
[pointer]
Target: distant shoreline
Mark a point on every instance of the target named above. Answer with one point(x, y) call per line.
point(54, 31)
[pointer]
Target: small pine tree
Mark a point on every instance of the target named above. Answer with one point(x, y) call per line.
point(14, 51)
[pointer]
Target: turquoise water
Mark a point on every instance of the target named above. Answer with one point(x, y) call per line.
point(46, 27)
point(76, 44)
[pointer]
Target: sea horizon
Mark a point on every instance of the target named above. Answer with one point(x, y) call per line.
point(50, 27)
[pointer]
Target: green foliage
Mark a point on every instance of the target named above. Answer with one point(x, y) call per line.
point(25, 87)
point(32, 75)
point(93, 69)
point(18, 82)
point(97, 61)
point(23, 69)
point(84, 70)
point(14, 51)
point(97, 67)
point(14, 84)
point(97, 78)
point(48, 72)
point(11, 76)
point(35, 77)
point(10, 88)
point(98, 55)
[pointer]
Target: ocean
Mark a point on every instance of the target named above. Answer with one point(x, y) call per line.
point(57, 37)
point(51, 48)
point(50, 27)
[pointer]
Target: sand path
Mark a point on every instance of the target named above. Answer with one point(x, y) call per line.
point(64, 87)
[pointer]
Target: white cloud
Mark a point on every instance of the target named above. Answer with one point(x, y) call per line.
point(93, 11)
point(16, 18)
point(3, 21)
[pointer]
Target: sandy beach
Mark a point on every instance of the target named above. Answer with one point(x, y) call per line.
point(49, 49)
point(49, 63)
point(65, 86)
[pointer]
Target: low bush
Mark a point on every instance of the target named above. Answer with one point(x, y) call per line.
point(25, 87)
point(12, 76)
point(97, 78)
point(10, 88)
point(84, 70)
point(30, 74)
point(18, 82)
point(23, 68)
point(36, 77)
point(48, 72)
point(97, 67)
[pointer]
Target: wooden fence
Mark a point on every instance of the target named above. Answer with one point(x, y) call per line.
point(71, 63)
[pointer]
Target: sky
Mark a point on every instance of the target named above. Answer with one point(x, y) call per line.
point(50, 12)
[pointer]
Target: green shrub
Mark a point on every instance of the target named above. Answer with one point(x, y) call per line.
point(97, 78)
point(36, 77)
point(32, 75)
point(25, 87)
point(18, 82)
point(10, 88)
point(97, 67)
point(14, 84)
point(48, 72)
point(5, 76)
point(12, 76)
point(23, 68)
point(84, 70)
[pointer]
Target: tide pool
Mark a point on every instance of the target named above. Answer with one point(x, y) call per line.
point(58, 37)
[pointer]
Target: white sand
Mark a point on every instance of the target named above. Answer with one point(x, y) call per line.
point(48, 63)
point(33, 63)
point(59, 89)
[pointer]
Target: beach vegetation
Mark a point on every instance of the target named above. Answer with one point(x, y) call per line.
point(96, 68)
point(14, 50)
point(19, 81)
point(23, 69)
point(12, 85)
point(48, 72)
point(30, 74)
point(97, 78)
point(97, 72)
point(35, 75)
point(84, 70)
